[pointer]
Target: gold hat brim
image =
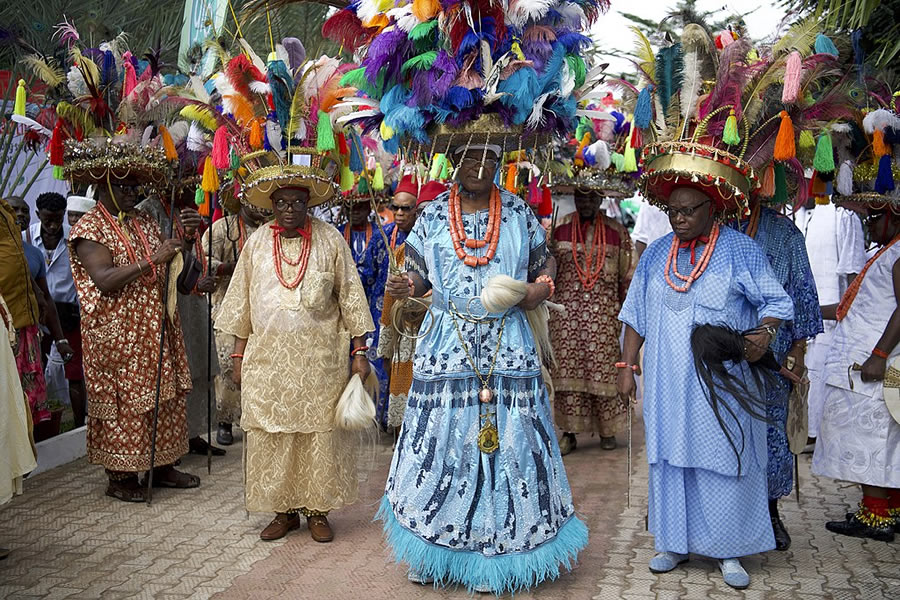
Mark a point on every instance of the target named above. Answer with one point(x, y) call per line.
point(96, 162)
point(724, 177)
point(486, 129)
point(259, 185)
point(863, 202)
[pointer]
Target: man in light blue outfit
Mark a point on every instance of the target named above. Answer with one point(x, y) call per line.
point(457, 510)
point(706, 496)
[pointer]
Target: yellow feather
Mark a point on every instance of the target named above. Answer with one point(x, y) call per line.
point(299, 108)
point(201, 114)
point(643, 51)
point(47, 69)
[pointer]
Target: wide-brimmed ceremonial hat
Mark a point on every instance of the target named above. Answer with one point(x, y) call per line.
point(267, 172)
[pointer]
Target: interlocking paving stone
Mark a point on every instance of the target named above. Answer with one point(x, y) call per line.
point(70, 541)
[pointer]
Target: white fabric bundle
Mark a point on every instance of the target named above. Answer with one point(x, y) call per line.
point(356, 409)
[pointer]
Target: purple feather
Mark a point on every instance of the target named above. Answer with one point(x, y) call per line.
point(730, 81)
point(446, 67)
point(422, 88)
point(296, 55)
point(389, 51)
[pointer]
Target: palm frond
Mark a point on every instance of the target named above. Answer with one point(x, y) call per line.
point(800, 37)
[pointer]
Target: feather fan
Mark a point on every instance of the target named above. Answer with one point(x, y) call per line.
point(46, 69)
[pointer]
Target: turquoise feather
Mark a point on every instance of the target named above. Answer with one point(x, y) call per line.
point(669, 65)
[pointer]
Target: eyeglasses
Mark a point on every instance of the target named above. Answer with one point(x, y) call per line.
point(687, 211)
point(398, 208)
point(871, 218)
point(490, 163)
point(296, 205)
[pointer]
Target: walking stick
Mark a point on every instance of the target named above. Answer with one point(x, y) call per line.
point(631, 401)
point(162, 345)
point(209, 339)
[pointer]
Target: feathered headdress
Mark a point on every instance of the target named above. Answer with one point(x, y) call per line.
point(433, 73)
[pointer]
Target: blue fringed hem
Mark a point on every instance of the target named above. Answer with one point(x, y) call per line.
point(503, 573)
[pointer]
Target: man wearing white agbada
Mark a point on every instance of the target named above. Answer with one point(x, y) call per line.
point(294, 303)
point(836, 249)
point(17, 456)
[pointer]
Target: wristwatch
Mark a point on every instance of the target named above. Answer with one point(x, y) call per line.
point(772, 331)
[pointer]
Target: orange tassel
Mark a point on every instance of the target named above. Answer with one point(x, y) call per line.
point(168, 143)
point(879, 148)
point(511, 176)
point(767, 189)
point(785, 147)
point(256, 135)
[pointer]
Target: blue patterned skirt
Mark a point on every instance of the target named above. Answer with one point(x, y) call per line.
point(458, 515)
point(781, 461)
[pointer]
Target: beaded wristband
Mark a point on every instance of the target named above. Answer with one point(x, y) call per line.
point(357, 351)
point(876, 351)
point(549, 281)
point(235, 355)
point(625, 365)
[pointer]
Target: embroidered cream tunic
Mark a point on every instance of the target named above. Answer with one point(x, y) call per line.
point(295, 367)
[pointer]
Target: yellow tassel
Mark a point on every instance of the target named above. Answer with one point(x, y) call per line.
point(378, 178)
point(879, 148)
point(168, 143)
point(806, 141)
point(256, 135)
point(19, 107)
point(210, 181)
point(785, 147)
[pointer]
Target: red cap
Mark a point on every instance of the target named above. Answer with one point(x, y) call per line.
point(408, 184)
point(430, 191)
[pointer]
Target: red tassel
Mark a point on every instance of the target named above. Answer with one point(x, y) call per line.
point(56, 145)
point(637, 138)
point(342, 145)
point(546, 207)
point(220, 151)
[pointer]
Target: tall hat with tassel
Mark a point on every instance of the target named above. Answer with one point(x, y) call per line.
point(104, 130)
point(719, 138)
point(439, 75)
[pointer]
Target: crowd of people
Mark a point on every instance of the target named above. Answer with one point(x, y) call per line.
point(488, 325)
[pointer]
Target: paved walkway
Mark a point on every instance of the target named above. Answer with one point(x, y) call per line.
point(70, 541)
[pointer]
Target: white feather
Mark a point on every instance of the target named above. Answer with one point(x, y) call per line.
point(351, 102)
point(322, 70)
point(179, 131)
point(282, 55)
point(254, 57)
point(259, 87)
point(75, 82)
point(520, 11)
point(572, 14)
point(880, 119)
point(145, 137)
point(660, 115)
point(595, 114)
point(403, 18)
point(536, 118)
point(840, 128)
point(273, 134)
point(845, 178)
point(360, 114)
point(567, 81)
point(601, 155)
point(502, 292)
point(31, 124)
point(367, 10)
point(690, 86)
point(196, 139)
point(198, 90)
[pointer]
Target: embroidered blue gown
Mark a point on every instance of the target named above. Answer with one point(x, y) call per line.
point(360, 250)
point(785, 248)
point(373, 271)
point(451, 512)
point(697, 501)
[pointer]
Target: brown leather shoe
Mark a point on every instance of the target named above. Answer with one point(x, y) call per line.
point(279, 527)
point(608, 443)
point(319, 528)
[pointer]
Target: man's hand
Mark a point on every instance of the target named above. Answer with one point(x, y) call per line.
point(625, 384)
point(399, 286)
point(190, 220)
point(360, 366)
point(207, 284)
point(166, 252)
point(236, 362)
point(799, 359)
point(873, 369)
point(756, 345)
point(535, 294)
point(65, 351)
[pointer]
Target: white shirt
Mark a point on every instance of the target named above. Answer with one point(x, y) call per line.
point(59, 269)
point(650, 225)
point(836, 247)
